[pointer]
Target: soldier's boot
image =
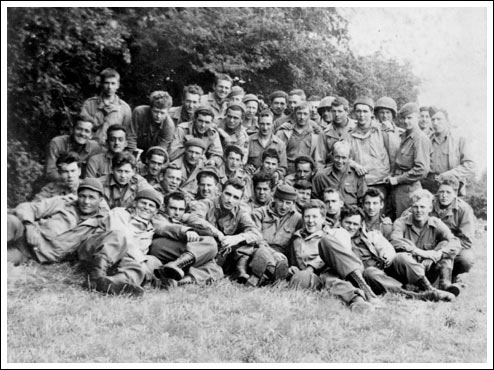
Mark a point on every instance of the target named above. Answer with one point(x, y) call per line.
point(175, 269)
point(423, 296)
point(97, 268)
point(357, 277)
point(117, 285)
point(279, 271)
point(432, 294)
point(445, 281)
point(167, 283)
point(359, 305)
point(242, 275)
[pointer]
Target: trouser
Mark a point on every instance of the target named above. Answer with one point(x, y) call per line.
point(118, 249)
point(229, 262)
point(463, 262)
point(337, 287)
point(401, 195)
point(204, 269)
point(18, 250)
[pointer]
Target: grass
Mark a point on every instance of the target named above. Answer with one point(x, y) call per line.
point(51, 318)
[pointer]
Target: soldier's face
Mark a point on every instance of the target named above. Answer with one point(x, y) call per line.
point(340, 115)
point(265, 125)
point(411, 121)
point(341, 158)
point(233, 119)
point(439, 123)
point(313, 220)
point(146, 209)
point(372, 206)
point(158, 114)
point(202, 123)
point(313, 110)
point(270, 164)
point(175, 209)
point(82, 132)
point(155, 164)
point(364, 115)
point(263, 191)
point(303, 196)
point(283, 206)
point(251, 108)
point(117, 141)
point(207, 187)
point(303, 171)
point(171, 180)
point(191, 102)
point(293, 101)
point(446, 194)
point(236, 99)
point(326, 114)
point(88, 201)
point(222, 89)
point(352, 224)
point(333, 203)
point(278, 105)
point(385, 115)
point(231, 197)
point(425, 119)
point(193, 154)
point(70, 174)
point(110, 86)
point(233, 161)
point(302, 115)
point(123, 174)
point(421, 209)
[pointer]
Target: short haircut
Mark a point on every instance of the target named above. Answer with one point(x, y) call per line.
point(304, 159)
point(192, 90)
point(450, 180)
point(236, 183)
point(373, 193)
point(68, 158)
point(108, 73)
point(331, 190)
point(206, 174)
point(175, 195)
point(157, 151)
point(302, 105)
point(121, 159)
point(436, 110)
point(263, 176)
point(298, 92)
point(314, 203)
point(173, 167)
point(203, 112)
point(421, 194)
point(424, 108)
point(271, 153)
point(160, 100)
point(115, 127)
point(349, 211)
point(314, 98)
point(235, 149)
point(302, 185)
point(338, 101)
point(266, 113)
point(222, 77)
point(236, 108)
point(342, 145)
point(83, 119)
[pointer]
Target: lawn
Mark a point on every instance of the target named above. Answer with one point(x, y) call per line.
point(51, 318)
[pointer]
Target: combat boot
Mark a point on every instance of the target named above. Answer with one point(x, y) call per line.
point(432, 294)
point(357, 277)
point(242, 275)
point(117, 285)
point(167, 283)
point(445, 280)
point(98, 267)
point(174, 270)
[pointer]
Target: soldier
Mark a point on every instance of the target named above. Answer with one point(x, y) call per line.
point(251, 108)
point(231, 225)
point(450, 155)
point(277, 222)
point(324, 111)
point(336, 131)
point(314, 101)
point(265, 139)
point(69, 169)
point(172, 179)
point(334, 202)
point(187, 257)
point(101, 164)
point(385, 111)
point(428, 239)
point(278, 104)
point(304, 170)
point(207, 183)
point(231, 130)
point(156, 160)
point(236, 95)
point(108, 109)
point(122, 184)
point(303, 188)
point(199, 128)
point(52, 229)
point(263, 187)
point(458, 216)
point(191, 99)
point(117, 259)
point(385, 270)
point(78, 142)
point(412, 161)
point(374, 220)
point(425, 123)
point(218, 99)
point(339, 175)
point(152, 124)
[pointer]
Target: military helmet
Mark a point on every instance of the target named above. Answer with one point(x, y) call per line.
point(388, 103)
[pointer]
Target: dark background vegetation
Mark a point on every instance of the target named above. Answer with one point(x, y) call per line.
point(55, 54)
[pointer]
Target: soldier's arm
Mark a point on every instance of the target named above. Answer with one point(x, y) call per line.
point(421, 163)
point(397, 238)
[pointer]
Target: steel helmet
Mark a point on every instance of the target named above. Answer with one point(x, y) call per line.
point(388, 103)
point(325, 103)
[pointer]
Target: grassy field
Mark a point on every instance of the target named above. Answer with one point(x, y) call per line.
point(51, 318)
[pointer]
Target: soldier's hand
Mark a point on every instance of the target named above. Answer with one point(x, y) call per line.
point(230, 241)
point(33, 236)
point(225, 251)
point(292, 270)
point(192, 236)
point(427, 263)
point(359, 169)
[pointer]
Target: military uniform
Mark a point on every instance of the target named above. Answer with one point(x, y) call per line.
point(149, 133)
point(189, 176)
point(219, 109)
point(382, 224)
point(99, 165)
point(54, 189)
point(104, 115)
point(122, 196)
point(330, 136)
point(64, 144)
point(256, 148)
point(179, 115)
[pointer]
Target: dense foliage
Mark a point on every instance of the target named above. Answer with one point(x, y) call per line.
point(54, 55)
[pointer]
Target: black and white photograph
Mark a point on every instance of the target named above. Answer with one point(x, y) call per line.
point(237, 185)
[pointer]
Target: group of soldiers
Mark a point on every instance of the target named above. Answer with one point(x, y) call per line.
point(228, 185)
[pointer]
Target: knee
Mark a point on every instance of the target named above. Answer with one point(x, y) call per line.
point(371, 272)
point(305, 280)
point(464, 261)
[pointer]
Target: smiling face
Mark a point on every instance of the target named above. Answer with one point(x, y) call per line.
point(263, 192)
point(146, 208)
point(278, 106)
point(372, 206)
point(222, 89)
point(303, 196)
point(207, 187)
point(352, 224)
point(171, 180)
point(191, 102)
point(82, 132)
point(270, 164)
point(88, 201)
point(385, 115)
point(425, 119)
point(313, 220)
point(123, 174)
point(282, 206)
point(410, 121)
point(341, 156)
point(421, 209)
point(117, 141)
point(233, 161)
point(155, 164)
